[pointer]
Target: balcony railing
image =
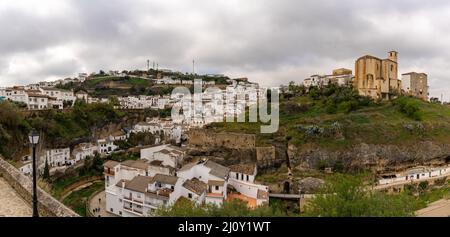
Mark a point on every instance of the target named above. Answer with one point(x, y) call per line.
point(138, 211)
point(138, 200)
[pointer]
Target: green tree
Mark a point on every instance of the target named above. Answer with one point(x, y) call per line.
point(46, 174)
point(236, 208)
point(348, 196)
point(410, 107)
point(114, 101)
point(97, 163)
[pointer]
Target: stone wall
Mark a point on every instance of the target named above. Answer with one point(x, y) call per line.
point(48, 205)
point(376, 158)
point(266, 156)
point(207, 138)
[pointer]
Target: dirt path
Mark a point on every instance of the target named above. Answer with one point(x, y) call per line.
point(440, 208)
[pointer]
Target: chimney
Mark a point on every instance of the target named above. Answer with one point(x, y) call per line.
point(393, 56)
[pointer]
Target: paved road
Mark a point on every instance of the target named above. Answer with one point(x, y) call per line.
point(94, 204)
point(440, 208)
point(11, 204)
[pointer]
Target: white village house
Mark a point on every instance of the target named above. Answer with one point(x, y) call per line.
point(58, 157)
point(83, 150)
point(415, 174)
point(134, 188)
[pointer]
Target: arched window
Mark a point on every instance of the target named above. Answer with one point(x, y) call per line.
point(369, 80)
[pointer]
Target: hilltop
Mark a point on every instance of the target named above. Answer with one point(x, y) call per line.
point(334, 127)
point(136, 82)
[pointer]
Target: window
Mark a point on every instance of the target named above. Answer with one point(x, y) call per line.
point(217, 188)
point(237, 176)
point(248, 178)
point(392, 68)
point(190, 195)
point(112, 210)
point(120, 212)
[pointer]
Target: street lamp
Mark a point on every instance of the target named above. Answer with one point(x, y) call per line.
point(34, 140)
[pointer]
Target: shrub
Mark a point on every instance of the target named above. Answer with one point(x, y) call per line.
point(440, 182)
point(294, 108)
point(423, 186)
point(314, 93)
point(348, 106)
point(410, 107)
point(313, 131)
point(347, 196)
point(331, 107)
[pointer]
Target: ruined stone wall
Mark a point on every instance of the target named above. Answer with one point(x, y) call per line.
point(266, 156)
point(48, 205)
point(207, 138)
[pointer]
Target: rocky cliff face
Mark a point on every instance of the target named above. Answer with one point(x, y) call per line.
point(377, 158)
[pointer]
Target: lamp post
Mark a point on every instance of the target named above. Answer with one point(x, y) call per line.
point(34, 140)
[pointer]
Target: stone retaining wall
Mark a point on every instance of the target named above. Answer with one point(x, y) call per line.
point(207, 138)
point(48, 205)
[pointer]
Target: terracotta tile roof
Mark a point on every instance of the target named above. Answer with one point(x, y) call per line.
point(37, 95)
point(138, 184)
point(111, 164)
point(195, 185)
point(138, 164)
point(119, 184)
point(164, 151)
point(217, 170)
point(188, 166)
point(216, 183)
point(165, 179)
point(156, 163)
point(243, 168)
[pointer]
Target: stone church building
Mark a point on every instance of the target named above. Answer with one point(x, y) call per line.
point(377, 78)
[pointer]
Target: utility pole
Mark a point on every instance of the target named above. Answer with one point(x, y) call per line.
point(148, 64)
point(193, 67)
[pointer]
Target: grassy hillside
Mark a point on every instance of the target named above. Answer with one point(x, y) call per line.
point(136, 83)
point(340, 118)
point(117, 82)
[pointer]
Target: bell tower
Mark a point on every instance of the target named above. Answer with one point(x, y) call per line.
point(393, 56)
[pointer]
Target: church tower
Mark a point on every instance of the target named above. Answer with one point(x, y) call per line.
point(393, 56)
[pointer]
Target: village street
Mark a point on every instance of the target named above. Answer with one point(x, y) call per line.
point(99, 202)
point(11, 204)
point(440, 208)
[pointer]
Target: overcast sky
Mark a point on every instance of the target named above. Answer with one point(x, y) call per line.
point(271, 42)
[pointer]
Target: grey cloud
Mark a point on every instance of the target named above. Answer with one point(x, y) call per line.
point(273, 41)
